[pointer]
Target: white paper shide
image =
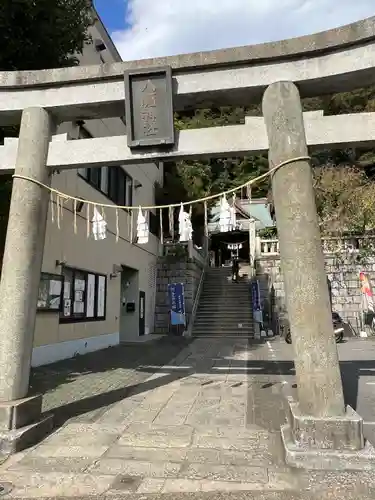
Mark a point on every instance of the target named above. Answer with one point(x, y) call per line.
point(99, 226)
point(225, 216)
point(185, 225)
point(142, 228)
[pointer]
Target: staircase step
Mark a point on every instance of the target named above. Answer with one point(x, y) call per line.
point(222, 298)
point(232, 313)
point(217, 289)
point(221, 319)
point(197, 333)
point(227, 282)
point(225, 293)
point(225, 311)
point(226, 303)
point(233, 331)
point(233, 293)
point(230, 326)
point(222, 324)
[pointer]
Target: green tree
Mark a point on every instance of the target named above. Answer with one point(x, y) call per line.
point(38, 34)
point(345, 199)
point(343, 178)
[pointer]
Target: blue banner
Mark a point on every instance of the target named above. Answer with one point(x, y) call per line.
point(255, 295)
point(177, 303)
point(256, 304)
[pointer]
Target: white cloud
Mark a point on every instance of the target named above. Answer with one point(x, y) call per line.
point(169, 27)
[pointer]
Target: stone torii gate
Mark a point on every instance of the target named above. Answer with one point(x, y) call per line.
point(321, 432)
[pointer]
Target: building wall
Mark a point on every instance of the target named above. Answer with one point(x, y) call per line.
point(53, 339)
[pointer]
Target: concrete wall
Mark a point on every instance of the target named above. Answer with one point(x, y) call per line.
point(187, 272)
point(53, 339)
point(343, 273)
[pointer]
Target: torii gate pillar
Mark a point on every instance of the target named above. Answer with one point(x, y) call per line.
point(321, 433)
point(19, 415)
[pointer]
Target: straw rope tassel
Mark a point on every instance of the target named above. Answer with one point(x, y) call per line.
point(248, 191)
point(75, 216)
point(161, 226)
point(58, 210)
point(131, 227)
point(117, 226)
point(87, 220)
point(103, 212)
point(129, 214)
point(171, 223)
point(52, 208)
point(205, 219)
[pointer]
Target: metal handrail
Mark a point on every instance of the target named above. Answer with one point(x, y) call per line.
point(188, 332)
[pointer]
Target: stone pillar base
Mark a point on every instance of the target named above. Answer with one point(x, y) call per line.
point(21, 425)
point(326, 443)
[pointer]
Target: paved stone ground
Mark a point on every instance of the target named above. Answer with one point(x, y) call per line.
point(175, 417)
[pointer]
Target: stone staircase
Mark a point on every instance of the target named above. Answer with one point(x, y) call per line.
point(224, 307)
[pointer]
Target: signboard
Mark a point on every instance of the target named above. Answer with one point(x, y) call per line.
point(177, 303)
point(149, 107)
point(255, 297)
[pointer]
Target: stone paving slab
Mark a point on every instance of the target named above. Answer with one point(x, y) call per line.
point(233, 494)
point(205, 431)
point(54, 484)
point(178, 429)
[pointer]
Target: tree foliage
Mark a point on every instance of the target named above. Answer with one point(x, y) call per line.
point(39, 34)
point(343, 178)
point(345, 199)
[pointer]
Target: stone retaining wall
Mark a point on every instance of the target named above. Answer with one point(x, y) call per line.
point(343, 273)
point(187, 272)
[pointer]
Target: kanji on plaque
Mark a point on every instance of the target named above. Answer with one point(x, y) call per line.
point(148, 109)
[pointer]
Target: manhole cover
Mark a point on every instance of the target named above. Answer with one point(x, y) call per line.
point(5, 488)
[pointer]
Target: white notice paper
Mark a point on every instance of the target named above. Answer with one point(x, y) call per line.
point(79, 285)
point(90, 296)
point(101, 296)
point(55, 287)
point(66, 289)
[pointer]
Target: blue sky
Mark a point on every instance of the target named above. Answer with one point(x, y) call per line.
point(112, 13)
point(156, 28)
